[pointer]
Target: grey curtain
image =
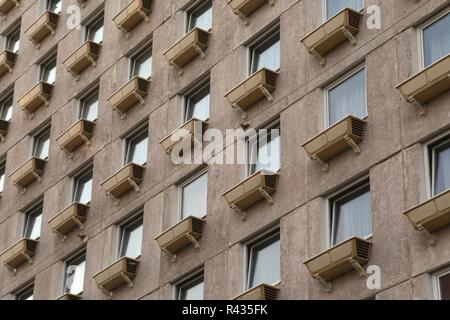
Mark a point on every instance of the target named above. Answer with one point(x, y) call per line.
point(436, 40)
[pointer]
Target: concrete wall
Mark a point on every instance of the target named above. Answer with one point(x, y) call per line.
point(392, 153)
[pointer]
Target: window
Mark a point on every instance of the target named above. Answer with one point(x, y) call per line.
point(351, 214)
point(197, 104)
point(264, 261)
point(440, 166)
point(335, 6)
point(194, 196)
point(54, 6)
point(436, 40)
point(48, 71)
point(26, 293)
point(137, 146)
point(94, 30)
point(89, 106)
point(74, 274)
point(200, 16)
point(83, 187)
point(263, 151)
point(266, 54)
point(41, 144)
point(347, 97)
point(33, 220)
point(442, 285)
point(6, 106)
point(13, 40)
point(2, 174)
point(141, 64)
point(191, 289)
point(131, 238)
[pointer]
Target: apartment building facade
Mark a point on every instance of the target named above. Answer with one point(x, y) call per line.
point(346, 197)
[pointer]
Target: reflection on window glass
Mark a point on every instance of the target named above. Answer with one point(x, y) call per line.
point(264, 151)
point(6, 107)
point(74, 281)
point(335, 6)
point(89, 107)
point(142, 65)
point(266, 54)
point(194, 197)
point(201, 17)
point(264, 262)
point(33, 220)
point(441, 167)
point(13, 41)
point(352, 215)
point(348, 98)
point(83, 188)
point(94, 31)
point(48, 72)
point(131, 239)
point(137, 148)
point(191, 289)
point(197, 105)
point(42, 145)
point(26, 294)
point(436, 40)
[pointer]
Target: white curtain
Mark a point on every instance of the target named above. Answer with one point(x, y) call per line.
point(194, 293)
point(194, 197)
point(134, 242)
point(34, 227)
point(269, 57)
point(348, 98)
point(442, 170)
point(334, 6)
point(436, 40)
point(75, 278)
point(265, 264)
point(84, 192)
point(200, 109)
point(203, 20)
point(139, 151)
point(353, 218)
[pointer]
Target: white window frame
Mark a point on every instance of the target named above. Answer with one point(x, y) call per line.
point(195, 90)
point(37, 136)
point(188, 281)
point(136, 55)
point(12, 32)
point(342, 193)
point(435, 280)
point(181, 186)
point(420, 39)
point(44, 65)
point(31, 211)
point(7, 96)
point(259, 41)
point(87, 96)
point(88, 25)
point(132, 221)
point(429, 165)
point(88, 170)
point(325, 9)
point(196, 6)
point(255, 241)
point(339, 81)
point(77, 258)
point(132, 136)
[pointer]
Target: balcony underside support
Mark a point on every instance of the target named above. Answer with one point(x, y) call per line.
point(242, 214)
point(420, 108)
point(177, 68)
point(173, 257)
point(244, 114)
point(199, 50)
point(352, 144)
point(430, 236)
point(322, 60)
point(193, 240)
point(327, 285)
point(357, 266)
point(349, 36)
point(325, 165)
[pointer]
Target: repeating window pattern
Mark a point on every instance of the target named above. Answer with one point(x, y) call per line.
point(191, 289)
point(200, 17)
point(131, 238)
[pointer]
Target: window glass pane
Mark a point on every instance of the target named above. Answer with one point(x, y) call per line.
point(192, 291)
point(27, 294)
point(2, 177)
point(335, 6)
point(54, 5)
point(42, 145)
point(442, 170)
point(83, 189)
point(201, 18)
point(444, 286)
point(49, 72)
point(137, 149)
point(348, 98)
point(353, 216)
point(95, 31)
point(194, 197)
point(89, 107)
point(132, 240)
point(436, 40)
point(142, 65)
point(265, 262)
point(13, 41)
point(6, 108)
point(198, 105)
point(265, 153)
point(33, 224)
point(75, 276)
point(267, 55)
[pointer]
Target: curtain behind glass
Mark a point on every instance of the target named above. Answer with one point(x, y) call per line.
point(198, 105)
point(442, 179)
point(143, 65)
point(201, 18)
point(90, 108)
point(353, 218)
point(193, 293)
point(335, 6)
point(267, 55)
point(42, 146)
point(348, 98)
point(265, 264)
point(75, 278)
point(13, 42)
point(2, 178)
point(436, 40)
point(138, 149)
point(84, 190)
point(6, 109)
point(95, 31)
point(49, 72)
point(132, 242)
point(34, 226)
point(194, 197)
